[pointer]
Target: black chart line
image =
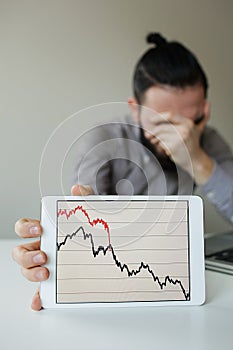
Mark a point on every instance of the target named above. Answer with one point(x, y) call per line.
point(121, 266)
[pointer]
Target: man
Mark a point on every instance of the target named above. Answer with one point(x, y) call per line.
point(163, 147)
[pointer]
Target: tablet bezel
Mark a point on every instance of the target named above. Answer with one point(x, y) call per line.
point(196, 250)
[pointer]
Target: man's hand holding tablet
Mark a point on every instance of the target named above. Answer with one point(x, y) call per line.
point(29, 256)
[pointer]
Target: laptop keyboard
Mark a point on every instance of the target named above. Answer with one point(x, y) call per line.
point(224, 255)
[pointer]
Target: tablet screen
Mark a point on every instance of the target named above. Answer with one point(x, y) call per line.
point(122, 251)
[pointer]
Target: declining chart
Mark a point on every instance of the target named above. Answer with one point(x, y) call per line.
point(120, 251)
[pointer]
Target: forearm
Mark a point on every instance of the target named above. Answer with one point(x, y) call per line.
point(202, 167)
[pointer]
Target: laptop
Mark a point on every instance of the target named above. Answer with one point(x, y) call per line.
point(219, 252)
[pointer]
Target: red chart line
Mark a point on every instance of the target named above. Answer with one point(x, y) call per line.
point(69, 212)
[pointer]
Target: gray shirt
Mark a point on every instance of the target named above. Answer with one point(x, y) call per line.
point(113, 159)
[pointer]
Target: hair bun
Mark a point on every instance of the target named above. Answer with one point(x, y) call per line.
point(156, 38)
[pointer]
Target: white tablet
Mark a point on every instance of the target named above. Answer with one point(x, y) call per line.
point(123, 251)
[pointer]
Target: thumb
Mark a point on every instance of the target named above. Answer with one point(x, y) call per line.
point(36, 302)
point(81, 190)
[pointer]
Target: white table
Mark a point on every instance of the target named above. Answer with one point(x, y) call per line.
point(201, 327)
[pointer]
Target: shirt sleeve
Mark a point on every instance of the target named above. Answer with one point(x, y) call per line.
point(219, 191)
point(93, 167)
point(219, 187)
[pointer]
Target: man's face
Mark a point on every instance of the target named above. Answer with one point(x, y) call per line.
point(189, 102)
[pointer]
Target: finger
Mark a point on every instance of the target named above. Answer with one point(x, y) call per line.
point(154, 141)
point(158, 118)
point(29, 255)
point(161, 128)
point(166, 118)
point(170, 118)
point(149, 136)
point(36, 302)
point(36, 274)
point(81, 190)
point(175, 118)
point(28, 228)
point(164, 129)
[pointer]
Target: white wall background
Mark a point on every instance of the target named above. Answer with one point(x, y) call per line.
point(58, 56)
